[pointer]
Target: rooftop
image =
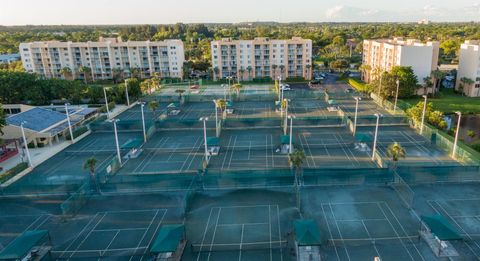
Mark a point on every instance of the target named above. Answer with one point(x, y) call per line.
point(37, 119)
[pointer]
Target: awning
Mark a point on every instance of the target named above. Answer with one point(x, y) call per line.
point(213, 141)
point(332, 102)
point(441, 227)
point(307, 232)
point(22, 245)
point(168, 239)
point(172, 105)
point(132, 143)
point(285, 139)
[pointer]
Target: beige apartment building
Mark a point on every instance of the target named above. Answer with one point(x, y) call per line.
point(105, 58)
point(469, 67)
point(262, 57)
point(384, 54)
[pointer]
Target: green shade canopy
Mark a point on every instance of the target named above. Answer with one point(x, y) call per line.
point(307, 232)
point(441, 227)
point(362, 137)
point(132, 143)
point(213, 141)
point(332, 102)
point(168, 239)
point(285, 139)
point(22, 245)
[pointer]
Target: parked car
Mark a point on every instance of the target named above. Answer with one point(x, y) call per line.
point(315, 82)
point(194, 87)
point(285, 87)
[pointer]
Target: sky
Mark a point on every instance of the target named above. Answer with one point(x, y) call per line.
point(49, 12)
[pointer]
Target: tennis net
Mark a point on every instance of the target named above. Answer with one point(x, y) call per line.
point(403, 190)
point(238, 246)
point(89, 152)
point(370, 241)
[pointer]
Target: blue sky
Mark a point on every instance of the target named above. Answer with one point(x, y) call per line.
point(188, 11)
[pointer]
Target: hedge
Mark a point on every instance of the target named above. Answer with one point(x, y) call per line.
point(13, 171)
point(111, 106)
point(77, 132)
point(358, 85)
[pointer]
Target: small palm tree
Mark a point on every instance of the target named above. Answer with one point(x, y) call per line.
point(282, 69)
point(86, 71)
point(180, 92)
point(274, 69)
point(395, 151)
point(153, 106)
point(427, 83)
point(249, 69)
point(242, 72)
point(66, 72)
point(465, 81)
point(437, 76)
point(308, 66)
point(221, 104)
point(296, 160)
point(90, 165)
point(237, 87)
point(215, 72)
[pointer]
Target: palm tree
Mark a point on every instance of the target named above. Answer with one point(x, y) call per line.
point(237, 87)
point(365, 69)
point(308, 66)
point(465, 81)
point(249, 69)
point(66, 72)
point(153, 105)
point(296, 160)
point(145, 86)
point(242, 72)
point(215, 73)
point(274, 68)
point(427, 83)
point(395, 151)
point(179, 91)
point(221, 104)
point(437, 76)
point(86, 71)
point(116, 74)
point(282, 69)
point(89, 165)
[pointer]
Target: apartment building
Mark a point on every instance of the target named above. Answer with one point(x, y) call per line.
point(384, 54)
point(469, 67)
point(105, 58)
point(262, 57)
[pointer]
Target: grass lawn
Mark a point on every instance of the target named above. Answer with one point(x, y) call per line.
point(450, 102)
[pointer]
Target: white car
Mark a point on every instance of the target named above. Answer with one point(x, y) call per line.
point(285, 87)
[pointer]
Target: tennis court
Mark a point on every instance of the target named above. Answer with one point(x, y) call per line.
point(418, 150)
point(64, 172)
point(363, 222)
point(241, 225)
point(260, 109)
point(366, 106)
point(248, 150)
point(169, 152)
point(310, 107)
point(135, 113)
point(331, 147)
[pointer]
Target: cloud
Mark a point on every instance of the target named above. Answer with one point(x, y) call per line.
point(349, 13)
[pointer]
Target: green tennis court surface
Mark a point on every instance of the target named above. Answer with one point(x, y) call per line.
point(241, 203)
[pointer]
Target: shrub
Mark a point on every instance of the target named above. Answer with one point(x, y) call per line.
point(77, 132)
point(13, 171)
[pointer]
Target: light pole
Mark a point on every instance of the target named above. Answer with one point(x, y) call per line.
point(456, 134)
point(69, 123)
point(126, 93)
point(205, 119)
point(287, 101)
point(280, 98)
point(216, 118)
point(396, 97)
point(116, 140)
point(376, 135)
point(142, 105)
point(357, 99)
point(106, 102)
point(26, 144)
point(290, 147)
point(423, 113)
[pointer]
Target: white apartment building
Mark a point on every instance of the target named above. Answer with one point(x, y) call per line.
point(384, 54)
point(469, 67)
point(262, 57)
point(104, 58)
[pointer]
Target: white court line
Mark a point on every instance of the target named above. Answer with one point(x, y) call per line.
point(119, 229)
point(270, 230)
point(279, 233)
point(81, 232)
point(238, 224)
point(190, 153)
point(338, 229)
point(226, 154)
point(396, 232)
point(329, 231)
point(370, 236)
point(131, 211)
point(205, 233)
point(214, 233)
point(111, 241)
point(154, 233)
point(88, 234)
point(461, 228)
point(241, 241)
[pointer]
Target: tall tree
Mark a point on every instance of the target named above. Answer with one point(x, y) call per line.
point(86, 71)
point(90, 165)
point(395, 151)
